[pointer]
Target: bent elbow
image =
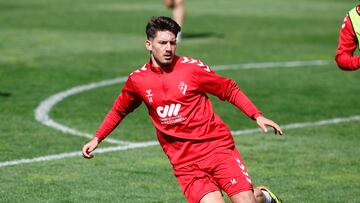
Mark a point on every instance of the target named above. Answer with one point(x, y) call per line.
point(344, 65)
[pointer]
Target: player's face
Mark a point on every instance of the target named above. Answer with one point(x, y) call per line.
point(162, 48)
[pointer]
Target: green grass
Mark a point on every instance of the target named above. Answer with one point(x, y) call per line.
point(50, 46)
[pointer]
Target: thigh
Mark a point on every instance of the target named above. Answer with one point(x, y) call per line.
point(231, 174)
point(195, 183)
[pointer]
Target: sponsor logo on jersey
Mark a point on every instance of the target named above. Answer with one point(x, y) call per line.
point(168, 110)
point(182, 87)
point(169, 114)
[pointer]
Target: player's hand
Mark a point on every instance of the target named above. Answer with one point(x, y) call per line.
point(89, 147)
point(263, 122)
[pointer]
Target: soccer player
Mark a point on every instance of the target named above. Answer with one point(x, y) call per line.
point(178, 12)
point(199, 145)
point(349, 41)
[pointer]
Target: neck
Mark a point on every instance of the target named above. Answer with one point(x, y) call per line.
point(164, 67)
point(154, 62)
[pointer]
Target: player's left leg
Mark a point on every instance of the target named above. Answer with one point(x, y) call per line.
point(258, 196)
point(212, 197)
point(243, 197)
point(230, 173)
point(233, 178)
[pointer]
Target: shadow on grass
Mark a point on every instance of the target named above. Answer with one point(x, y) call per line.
point(201, 35)
point(5, 94)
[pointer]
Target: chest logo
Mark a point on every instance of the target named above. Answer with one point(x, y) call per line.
point(182, 87)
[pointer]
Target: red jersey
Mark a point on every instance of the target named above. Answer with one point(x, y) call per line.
point(186, 125)
point(347, 45)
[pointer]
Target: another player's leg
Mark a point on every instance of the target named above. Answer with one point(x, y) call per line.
point(179, 12)
point(169, 3)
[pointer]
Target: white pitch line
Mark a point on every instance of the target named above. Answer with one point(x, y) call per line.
point(283, 64)
point(77, 154)
point(152, 143)
point(44, 108)
point(303, 125)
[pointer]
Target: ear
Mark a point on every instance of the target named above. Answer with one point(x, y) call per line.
point(148, 45)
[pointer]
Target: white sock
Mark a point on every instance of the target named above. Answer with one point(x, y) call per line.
point(267, 196)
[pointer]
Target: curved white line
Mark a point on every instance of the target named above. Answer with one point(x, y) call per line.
point(44, 108)
point(152, 143)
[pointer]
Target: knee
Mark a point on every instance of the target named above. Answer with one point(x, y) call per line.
point(259, 196)
point(169, 3)
point(246, 196)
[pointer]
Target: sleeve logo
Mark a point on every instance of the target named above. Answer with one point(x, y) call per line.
point(197, 62)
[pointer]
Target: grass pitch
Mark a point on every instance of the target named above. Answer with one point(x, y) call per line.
point(50, 46)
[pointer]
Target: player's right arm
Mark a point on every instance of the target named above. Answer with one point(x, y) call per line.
point(89, 147)
point(345, 58)
point(125, 103)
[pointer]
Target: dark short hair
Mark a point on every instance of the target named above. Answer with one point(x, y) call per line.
point(161, 23)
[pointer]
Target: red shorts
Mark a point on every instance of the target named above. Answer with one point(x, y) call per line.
point(221, 171)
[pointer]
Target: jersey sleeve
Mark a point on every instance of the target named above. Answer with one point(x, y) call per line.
point(225, 89)
point(125, 103)
point(348, 42)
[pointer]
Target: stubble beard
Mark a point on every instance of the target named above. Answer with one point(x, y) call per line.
point(164, 63)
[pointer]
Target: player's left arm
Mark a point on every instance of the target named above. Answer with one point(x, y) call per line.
point(227, 89)
point(264, 122)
